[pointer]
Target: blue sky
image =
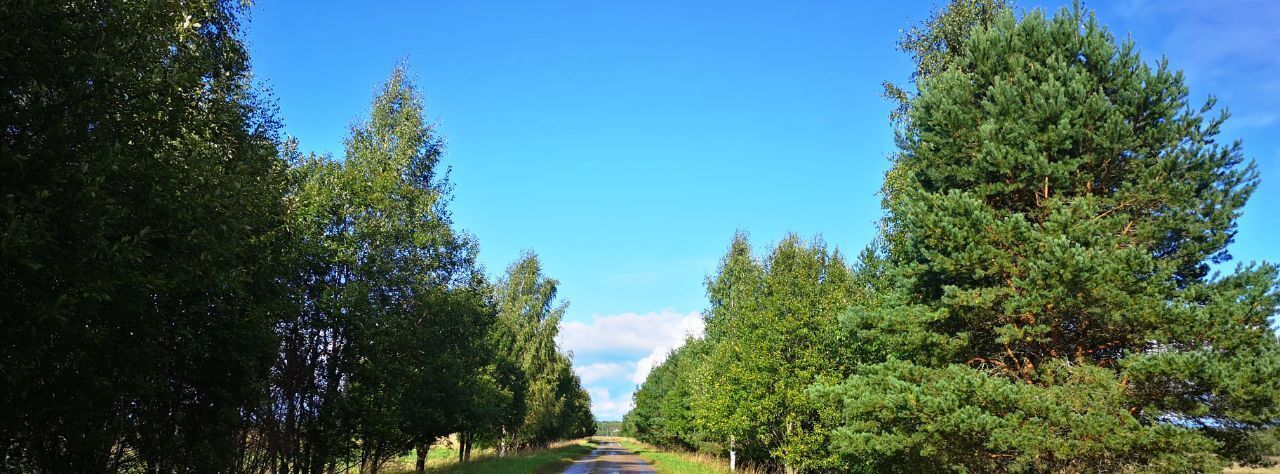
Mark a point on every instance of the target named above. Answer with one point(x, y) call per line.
point(625, 142)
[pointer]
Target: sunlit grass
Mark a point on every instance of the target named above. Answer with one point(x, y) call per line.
point(677, 462)
point(1255, 470)
point(551, 460)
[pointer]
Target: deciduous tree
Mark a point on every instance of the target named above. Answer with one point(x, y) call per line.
point(771, 332)
point(141, 218)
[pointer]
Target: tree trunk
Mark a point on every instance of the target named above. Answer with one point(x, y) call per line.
point(364, 458)
point(421, 466)
point(733, 456)
point(376, 461)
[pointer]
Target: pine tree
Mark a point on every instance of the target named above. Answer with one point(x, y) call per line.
point(1050, 305)
point(937, 44)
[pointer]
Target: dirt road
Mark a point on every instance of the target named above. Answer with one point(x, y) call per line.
point(609, 458)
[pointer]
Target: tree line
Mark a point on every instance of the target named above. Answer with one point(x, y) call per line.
point(1041, 296)
point(187, 291)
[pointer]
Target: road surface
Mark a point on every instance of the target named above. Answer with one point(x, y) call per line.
point(609, 458)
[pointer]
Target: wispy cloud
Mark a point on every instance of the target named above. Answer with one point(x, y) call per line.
point(1227, 48)
point(1228, 45)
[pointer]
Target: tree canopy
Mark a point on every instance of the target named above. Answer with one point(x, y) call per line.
point(143, 219)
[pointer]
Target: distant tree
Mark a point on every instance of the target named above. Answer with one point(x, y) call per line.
point(142, 227)
point(1049, 306)
point(609, 428)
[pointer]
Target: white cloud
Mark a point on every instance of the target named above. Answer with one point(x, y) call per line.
point(592, 373)
point(630, 332)
point(618, 351)
point(646, 365)
point(607, 408)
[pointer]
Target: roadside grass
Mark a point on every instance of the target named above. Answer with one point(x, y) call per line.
point(440, 455)
point(443, 458)
point(1255, 470)
point(546, 461)
point(676, 462)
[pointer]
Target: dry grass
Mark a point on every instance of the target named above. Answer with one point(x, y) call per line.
point(1255, 470)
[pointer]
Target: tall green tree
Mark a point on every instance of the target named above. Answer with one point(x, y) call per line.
point(141, 218)
point(772, 331)
point(548, 402)
point(1051, 307)
point(394, 310)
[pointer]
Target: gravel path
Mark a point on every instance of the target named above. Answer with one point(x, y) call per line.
point(610, 458)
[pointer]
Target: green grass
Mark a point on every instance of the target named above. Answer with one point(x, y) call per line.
point(675, 463)
point(438, 456)
point(546, 461)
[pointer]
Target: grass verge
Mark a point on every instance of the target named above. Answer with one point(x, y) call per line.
point(544, 461)
point(1255, 470)
point(674, 462)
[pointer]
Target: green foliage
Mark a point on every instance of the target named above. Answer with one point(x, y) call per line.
point(394, 310)
point(937, 44)
point(549, 402)
point(906, 417)
point(771, 331)
point(142, 219)
point(187, 292)
point(1048, 305)
point(663, 415)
